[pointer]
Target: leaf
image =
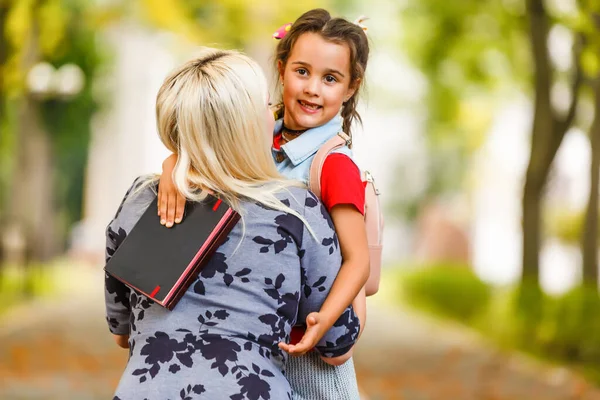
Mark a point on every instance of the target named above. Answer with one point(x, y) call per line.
point(140, 371)
point(320, 281)
point(279, 281)
point(243, 272)
point(322, 289)
point(262, 240)
point(264, 249)
point(248, 346)
point(185, 359)
point(256, 368)
point(199, 288)
point(268, 281)
point(223, 369)
point(280, 245)
point(154, 370)
point(174, 368)
point(228, 279)
point(267, 373)
point(208, 314)
point(327, 242)
point(211, 323)
point(183, 330)
point(221, 314)
point(273, 293)
point(141, 315)
point(245, 280)
point(182, 394)
point(189, 387)
point(307, 291)
point(198, 389)
point(331, 250)
point(142, 379)
point(201, 319)
point(310, 202)
point(269, 319)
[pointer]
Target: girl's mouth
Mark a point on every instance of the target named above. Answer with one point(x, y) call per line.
point(309, 107)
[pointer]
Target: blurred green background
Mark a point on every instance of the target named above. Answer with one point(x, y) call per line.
point(481, 126)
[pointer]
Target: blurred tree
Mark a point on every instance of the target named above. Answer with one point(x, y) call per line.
point(473, 53)
point(590, 230)
point(591, 32)
point(548, 131)
point(48, 137)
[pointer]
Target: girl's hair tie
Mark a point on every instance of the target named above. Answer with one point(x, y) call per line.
point(281, 32)
point(359, 21)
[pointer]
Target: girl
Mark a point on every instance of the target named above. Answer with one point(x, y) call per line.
point(321, 63)
point(221, 340)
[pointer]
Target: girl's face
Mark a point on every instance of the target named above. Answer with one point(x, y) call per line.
point(316, 81)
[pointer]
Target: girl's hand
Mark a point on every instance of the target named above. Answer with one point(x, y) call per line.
point(171, 203)
point(314, 332)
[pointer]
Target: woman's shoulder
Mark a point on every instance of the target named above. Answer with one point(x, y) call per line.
point(299, 198)
point(137, 198)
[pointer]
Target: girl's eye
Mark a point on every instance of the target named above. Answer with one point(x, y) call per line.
point(302, 71)
point(330, 79)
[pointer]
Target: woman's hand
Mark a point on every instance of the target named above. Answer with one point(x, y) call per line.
point(122, 341)
point(171, 203)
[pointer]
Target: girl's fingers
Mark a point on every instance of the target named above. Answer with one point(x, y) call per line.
point(171, 204)
point(180, 208)
point(158, 201)
point(163, 209)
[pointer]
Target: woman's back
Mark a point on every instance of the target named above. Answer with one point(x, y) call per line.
point(220, 341)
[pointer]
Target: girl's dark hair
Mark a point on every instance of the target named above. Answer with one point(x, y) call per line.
point(335, 30)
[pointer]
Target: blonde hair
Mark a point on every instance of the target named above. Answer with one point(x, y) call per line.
point(212, 112)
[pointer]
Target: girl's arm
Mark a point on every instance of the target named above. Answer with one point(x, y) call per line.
point(354, 272)
point(320, 262)
point(171, 203)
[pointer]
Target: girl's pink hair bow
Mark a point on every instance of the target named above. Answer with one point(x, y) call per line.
point(281, 32)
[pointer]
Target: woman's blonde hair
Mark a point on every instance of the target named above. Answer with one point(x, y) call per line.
point(212, 112)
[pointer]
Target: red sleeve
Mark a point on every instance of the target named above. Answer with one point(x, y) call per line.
point(341, 183)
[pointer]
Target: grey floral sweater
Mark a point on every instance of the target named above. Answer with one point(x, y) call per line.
point(220, 341)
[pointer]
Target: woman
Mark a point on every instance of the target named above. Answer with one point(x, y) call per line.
point(221, 340)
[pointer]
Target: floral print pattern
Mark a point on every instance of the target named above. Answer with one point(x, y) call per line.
point(220, 341)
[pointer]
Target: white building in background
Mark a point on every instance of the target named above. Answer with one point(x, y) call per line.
point(125, 142)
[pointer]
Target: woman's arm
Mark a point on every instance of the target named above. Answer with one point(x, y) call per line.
point(122, 341)
point(171, 204)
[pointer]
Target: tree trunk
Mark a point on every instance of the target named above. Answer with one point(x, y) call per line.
point(537, 169)
point(590, 230)
point(29, 233)
point(548, 132)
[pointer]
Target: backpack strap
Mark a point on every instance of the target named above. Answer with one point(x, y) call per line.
point(314, 180)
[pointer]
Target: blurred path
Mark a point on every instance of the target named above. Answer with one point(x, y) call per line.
point(63, 350)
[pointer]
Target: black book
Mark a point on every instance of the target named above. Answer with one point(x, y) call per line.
point(161, 262)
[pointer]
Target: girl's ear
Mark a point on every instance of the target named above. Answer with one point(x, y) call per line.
point(281, 69)
point(352, 89)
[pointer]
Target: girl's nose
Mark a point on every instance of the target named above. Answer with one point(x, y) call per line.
point(312, 87)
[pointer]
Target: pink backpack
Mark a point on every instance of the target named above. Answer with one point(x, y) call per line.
point(373, 215)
